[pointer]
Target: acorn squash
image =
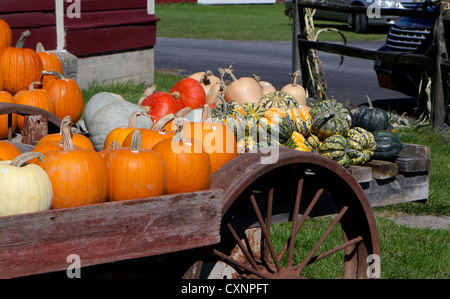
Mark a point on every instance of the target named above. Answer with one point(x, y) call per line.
point(370, 118)
point(278, 99)
point(388, 145)
point(336, 148)
point(362, 146)
point(329, 118)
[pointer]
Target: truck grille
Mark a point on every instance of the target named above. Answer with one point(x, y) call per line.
point(406, 39)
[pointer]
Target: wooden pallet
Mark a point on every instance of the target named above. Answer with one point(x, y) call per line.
point(403, 180)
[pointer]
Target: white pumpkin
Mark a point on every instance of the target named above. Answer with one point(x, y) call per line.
point(25, 188)
point(112, 116)
point(96, 102)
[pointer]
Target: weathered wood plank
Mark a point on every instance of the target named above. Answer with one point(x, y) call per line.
point(413, 164)
point(361, 173)
point(415, 150)
point(382, 169)
point(399, 189)
point(399, 58)
point(41, 242)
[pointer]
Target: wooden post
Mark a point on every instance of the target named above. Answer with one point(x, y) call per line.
point(303, 52)
point(34, 128)
point(439, 107)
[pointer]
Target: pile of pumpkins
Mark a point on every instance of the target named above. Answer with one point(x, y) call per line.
point(169, 142)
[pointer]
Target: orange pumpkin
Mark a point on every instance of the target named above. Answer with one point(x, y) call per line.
point(5, 35)
point(78, 176)
point(21, 66)
point(50, 63)
point(135, 172)
point(67, 96)
point(150, 137)
point(8, 151)
point(33, 97)
point(78, 139)
point(218, 139)
point(119, 134)
point(187, 163)
point(6, 97)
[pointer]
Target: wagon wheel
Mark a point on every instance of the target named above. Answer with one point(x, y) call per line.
point(298, 187)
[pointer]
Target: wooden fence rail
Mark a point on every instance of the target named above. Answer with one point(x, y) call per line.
point(438, 62)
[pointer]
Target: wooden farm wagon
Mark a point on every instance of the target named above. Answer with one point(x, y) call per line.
point(228, 229)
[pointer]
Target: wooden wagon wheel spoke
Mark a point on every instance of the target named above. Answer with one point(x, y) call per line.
point(303, 186)
point(302, 220)
point(322, 239)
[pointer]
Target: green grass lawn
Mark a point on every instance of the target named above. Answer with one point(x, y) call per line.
point(241, 22)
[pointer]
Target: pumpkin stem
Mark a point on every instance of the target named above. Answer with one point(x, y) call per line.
point(58, 75)
point(23, 158)
point(149, 91)
point(162, 122)
point(22, 38)
point(206, 114)
point(66, 133)
point(175, 94)
point(179, 134)
point(135, 144)
point(133, 117)
point(369, 101)
point(204, 78)
point(31, 88)
point(295, 76)
point(114, 145)
point(39, 47)
point(224, 104)
point(229, 71)
point(183, 112)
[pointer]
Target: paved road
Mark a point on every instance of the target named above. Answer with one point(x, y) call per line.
point(351, 81)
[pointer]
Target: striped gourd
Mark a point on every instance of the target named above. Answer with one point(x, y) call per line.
point(330, 117)
point(336, 148)
point(278, 99)
point(232, 115)
point(297, 142)
point(277, 123)
point(362, 145)
point(302, 120)
point(313, 142)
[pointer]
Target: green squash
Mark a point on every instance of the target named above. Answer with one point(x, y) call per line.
point(336, 147)
point(370, 118)
point(362, 146)
point(329, 118)
point(388, 145)
point(278, 99)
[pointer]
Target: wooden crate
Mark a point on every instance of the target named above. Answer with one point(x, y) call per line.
point(403, 180)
